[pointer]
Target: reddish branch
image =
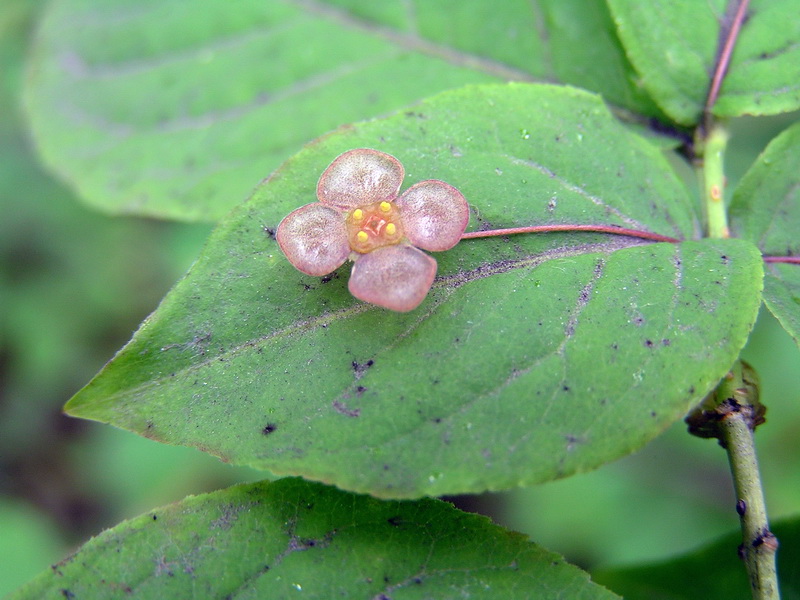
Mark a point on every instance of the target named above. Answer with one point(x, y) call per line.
point(728, 41)
point(794, 260)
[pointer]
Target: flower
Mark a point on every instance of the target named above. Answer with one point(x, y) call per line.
point(360, 216)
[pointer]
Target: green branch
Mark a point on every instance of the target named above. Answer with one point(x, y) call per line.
point(731, 413)
point(713, 178)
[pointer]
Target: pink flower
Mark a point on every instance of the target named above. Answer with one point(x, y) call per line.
point(360, 216)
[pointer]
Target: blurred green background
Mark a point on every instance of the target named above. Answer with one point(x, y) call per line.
point(75, 284)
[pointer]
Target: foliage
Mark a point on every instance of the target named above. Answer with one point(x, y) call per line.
point(534, 357)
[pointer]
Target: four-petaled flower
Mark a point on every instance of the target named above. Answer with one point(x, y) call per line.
point(360, 216)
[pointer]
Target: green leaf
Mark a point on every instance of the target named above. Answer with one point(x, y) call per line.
point(494, 380)
point(714, 572)
point(156, 108)
point(584, 50)
point(276, 540)
point(766, 210)
point(674, 46)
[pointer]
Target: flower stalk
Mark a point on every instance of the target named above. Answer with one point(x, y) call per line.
point(610, 229)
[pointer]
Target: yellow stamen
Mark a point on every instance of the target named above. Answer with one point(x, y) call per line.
point(391, 229)
point(385, 207)
point(362, 236)
point(358, 214)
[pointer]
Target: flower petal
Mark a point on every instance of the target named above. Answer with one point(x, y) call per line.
point(394, 277)
point(435, 215)
point(359, 177)
point(314, 239)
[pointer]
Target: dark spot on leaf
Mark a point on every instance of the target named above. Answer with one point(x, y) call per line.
point(66, 593)
point(331, 276)
point(341, 408)
point(395, 521)
point(437, 420)
point(653, 414)
point(361, 368)
point(270, 231)
point(155, 517)
point(665, 342)
point(270, 427)
point(572, 441)
point(565, 388)
point(418, 580)
point(648, 343)
point(360, 390)
point(691, 390)
point(638, 321)
point(725, 259)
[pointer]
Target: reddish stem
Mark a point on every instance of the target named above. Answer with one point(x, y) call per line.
point(794, 260)
point(645, 235)
point(724, 57)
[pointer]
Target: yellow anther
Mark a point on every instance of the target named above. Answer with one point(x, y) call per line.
point(391, 229)
point(358, 214)
point(385, 207)
point(362, 236)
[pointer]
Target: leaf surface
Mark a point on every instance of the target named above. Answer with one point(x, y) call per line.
point(159, 109)
point(282, 539)
point(674, 46)
point(766, 211)
point(494, 380)
point(584, 51)
point(713, 572)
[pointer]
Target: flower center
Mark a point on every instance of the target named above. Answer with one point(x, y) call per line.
point(374, 226)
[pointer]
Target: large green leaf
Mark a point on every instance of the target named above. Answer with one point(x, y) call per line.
point(533, 357)
point(584, 50)
point(714, 572)
point(766, 210)
point(278, 540)
point(674, 45)
point(157, 108)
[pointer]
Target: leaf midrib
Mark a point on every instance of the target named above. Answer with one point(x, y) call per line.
point(451, 282)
